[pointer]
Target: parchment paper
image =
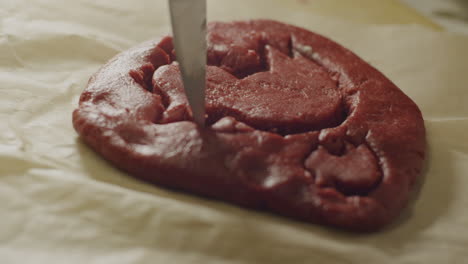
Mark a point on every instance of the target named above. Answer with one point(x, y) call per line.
point(61, 203)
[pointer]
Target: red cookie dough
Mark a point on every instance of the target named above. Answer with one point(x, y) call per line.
point(296, 125)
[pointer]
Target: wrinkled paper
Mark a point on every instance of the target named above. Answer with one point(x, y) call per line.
point(61, 203)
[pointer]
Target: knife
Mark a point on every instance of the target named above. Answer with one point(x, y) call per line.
point(188, 18)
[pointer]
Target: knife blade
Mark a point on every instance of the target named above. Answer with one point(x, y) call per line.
point(188, 19)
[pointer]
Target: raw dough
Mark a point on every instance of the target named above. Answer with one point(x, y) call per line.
point(296, 124)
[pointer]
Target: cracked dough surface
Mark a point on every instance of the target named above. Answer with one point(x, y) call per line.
point(296, 125)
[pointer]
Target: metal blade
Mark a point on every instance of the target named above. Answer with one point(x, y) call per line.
point(188, 19)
